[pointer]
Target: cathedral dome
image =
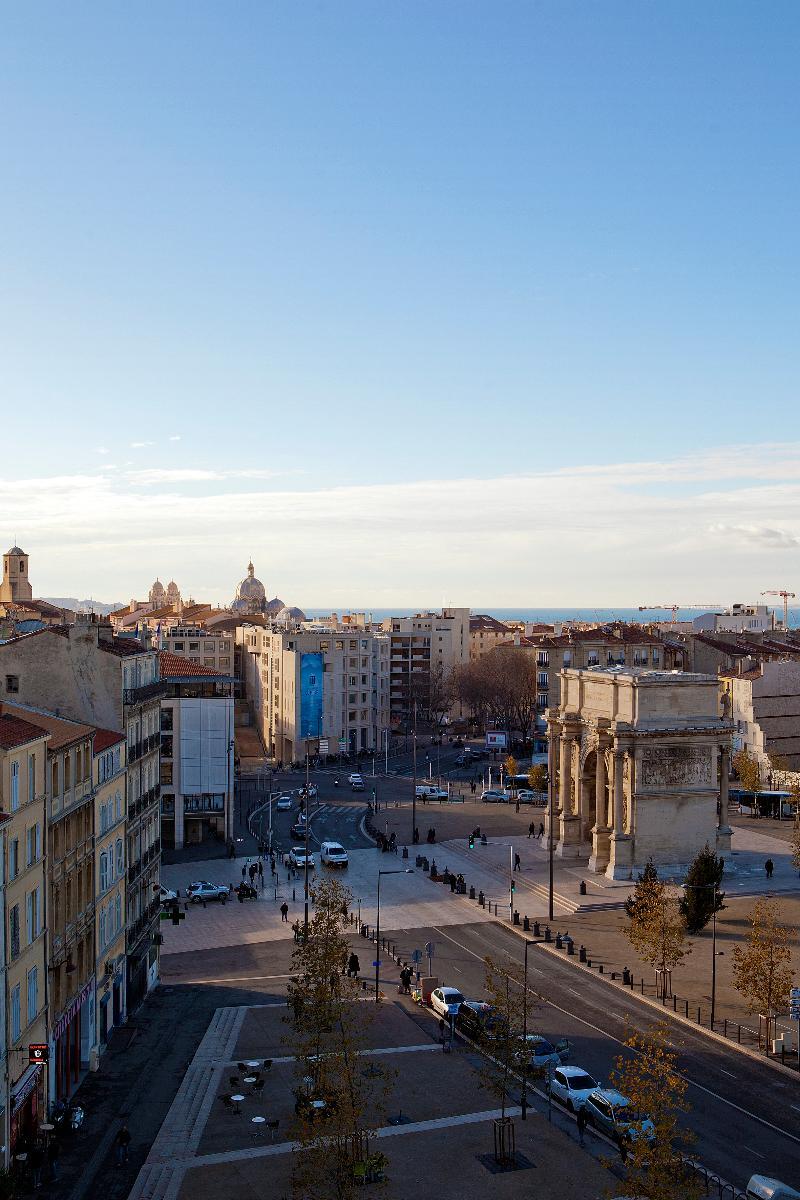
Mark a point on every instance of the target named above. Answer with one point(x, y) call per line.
point(250, 594)
point(289, 614)
point(274, 606)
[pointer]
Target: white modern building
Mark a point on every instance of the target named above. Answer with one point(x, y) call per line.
point(739, 618)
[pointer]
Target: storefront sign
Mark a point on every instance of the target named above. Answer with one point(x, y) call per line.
point(69, 1012)
point(38, 1053)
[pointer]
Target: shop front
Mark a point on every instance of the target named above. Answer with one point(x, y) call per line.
point(111, 999)
point(72, 1040)
point(27, 1107)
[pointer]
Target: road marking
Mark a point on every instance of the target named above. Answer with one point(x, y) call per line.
point(724, 1072)
point(750, 1150)
point(708, 1091)
point(229, 979)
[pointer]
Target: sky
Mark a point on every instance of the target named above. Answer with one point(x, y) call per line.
point(472, 302)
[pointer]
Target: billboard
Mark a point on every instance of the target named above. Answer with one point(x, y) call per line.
point(496, 740)
point(311, 676)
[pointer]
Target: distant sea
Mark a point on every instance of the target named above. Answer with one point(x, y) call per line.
point(547, 616)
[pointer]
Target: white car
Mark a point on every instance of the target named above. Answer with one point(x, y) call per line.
point(572, 1086)
point(284, 804)
point(354, 778)
point(203, 890)
point(298, 858)
point(493, 796)
point(166, 894)
point(332, 854)
point(446, 1001)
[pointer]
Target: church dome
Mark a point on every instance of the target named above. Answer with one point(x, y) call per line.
point(16, 550)
point(289, 614)
point(250, 594)
point(274, 606)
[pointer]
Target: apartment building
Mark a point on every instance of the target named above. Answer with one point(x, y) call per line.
point(23, 766)
point(109, 775)
point(69, 838)
point(197, 752)
point(205, 647)
point(485, 633)
point(317, 689)
point(86, 673)
point(605, 646)
point(423, 648)
point(764, 705)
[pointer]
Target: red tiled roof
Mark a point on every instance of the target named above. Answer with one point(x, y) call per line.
point(482, 622)
point(63, 732)
point(174, 666)
point(122, 646)
point(103, 738)
point(16, 732)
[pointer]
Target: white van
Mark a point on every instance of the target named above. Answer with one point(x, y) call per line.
point(762, 1188)
point(427, 791)
point(332, 854)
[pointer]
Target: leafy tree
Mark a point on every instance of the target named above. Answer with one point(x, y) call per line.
point(657, 933)
point(762, 972)
point(747, 769)
point(537, 777)
point(645, 892)
point(795, 842)
point(702, 897)
point(328, 1027)
point(510, 766)
point(506, 1047)
point(650, 1078)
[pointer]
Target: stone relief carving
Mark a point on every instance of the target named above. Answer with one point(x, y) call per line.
point(675, 766)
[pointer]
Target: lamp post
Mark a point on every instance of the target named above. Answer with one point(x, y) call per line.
point(414, 789)
point(525, 1038)
point(700, 886)
point(397, 871)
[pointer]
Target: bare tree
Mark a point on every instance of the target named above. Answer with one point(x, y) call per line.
point(762, 971)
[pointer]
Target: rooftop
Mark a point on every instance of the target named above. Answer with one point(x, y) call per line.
point(174, 666)
point(16, 732)
point(62, 732)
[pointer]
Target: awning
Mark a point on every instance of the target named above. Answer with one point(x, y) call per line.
point(24, 1086)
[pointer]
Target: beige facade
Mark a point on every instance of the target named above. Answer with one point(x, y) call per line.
point(23, 767)
point(423, 647)
point(486, 633)
point(355, 693)
point(764, 704)
point(203, 646)
point(15, 586)
point(638, 760)
point(109, 775)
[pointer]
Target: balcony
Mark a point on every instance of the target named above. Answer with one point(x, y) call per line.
point(148, 691)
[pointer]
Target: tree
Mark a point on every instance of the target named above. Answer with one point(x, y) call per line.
point(702, 897)
point(505, 1044)
point(650, 1079)
point(795, 842)
point(500, 689)
point(762, 973)
point(511, 767)
point(537, 777)
point(657, 933)
point(441, 695)
point(747, 769)
point(646, 891)
point(328, 1026)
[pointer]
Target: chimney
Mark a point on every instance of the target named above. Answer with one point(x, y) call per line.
point(104, 631)
point(557, 629)
point(516, 638)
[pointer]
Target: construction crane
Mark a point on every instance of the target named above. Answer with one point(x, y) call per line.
point(786, 597)
point(673, 608)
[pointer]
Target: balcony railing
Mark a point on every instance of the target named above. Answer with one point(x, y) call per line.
point(148, 691)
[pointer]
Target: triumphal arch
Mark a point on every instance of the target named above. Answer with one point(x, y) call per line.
point(639, 763)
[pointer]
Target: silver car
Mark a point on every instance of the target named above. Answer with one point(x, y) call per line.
point(572, 1086)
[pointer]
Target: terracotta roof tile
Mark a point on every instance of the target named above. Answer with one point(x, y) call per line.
point(62, 732)
point(16, 732)
point(174, 666)
point(103, 738)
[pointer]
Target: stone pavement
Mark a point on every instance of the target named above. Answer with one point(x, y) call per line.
point(436, 1115)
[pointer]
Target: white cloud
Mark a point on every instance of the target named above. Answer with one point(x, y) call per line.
point(717, 523)
point(175, 437)
point(101, 449)
point(140, 445)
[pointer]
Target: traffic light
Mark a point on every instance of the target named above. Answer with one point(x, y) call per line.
point(472, 841)
point(513, 886)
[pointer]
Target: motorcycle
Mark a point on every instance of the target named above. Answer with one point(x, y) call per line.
point(67, 1116)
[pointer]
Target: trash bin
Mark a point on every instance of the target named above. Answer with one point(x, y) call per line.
point(481, 900)
point(537, 929)
point(472, 893)
point(582, 888)
point(559, 942)
point(516, 917)
point(582, 954)
point(548, 937)
point(526, 924)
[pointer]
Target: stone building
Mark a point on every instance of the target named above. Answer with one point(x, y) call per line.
point(108, 771)
point(485, 633)
point(424, 648)
point(638, 760)
point(15, 586)
point(765, 709)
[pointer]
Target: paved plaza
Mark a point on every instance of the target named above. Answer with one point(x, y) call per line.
point(437, 1113)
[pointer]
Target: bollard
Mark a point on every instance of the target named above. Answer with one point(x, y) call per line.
point(405, 851)
point(570, 945)
point(582, 888)
point(418, 860)
point(582, 954)
point(537, 929)
point(559, 942)
point(293, 896)
point(526, 924)
point(548, 937)
point(516, 917)
point(481, 899)
point(601, 968)
point(626, 976)
point(472, 893)
point(589, 963)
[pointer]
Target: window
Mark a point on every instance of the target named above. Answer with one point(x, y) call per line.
point(12, 683)
point(542, 658)
point(34, 837)
point(33, 993)
point(120, 856)
point(118, 806)
point(655, 658)
point(13, 930)
point(14, 786)
point(33, 915)
point(31, 777)
point(593, 659)
point(542, 679)
point(13, 858)
point(194, 645)
point(16, 1021)
point(103, 872)
point(567, 658)
point(117, 912)
point(103, 929)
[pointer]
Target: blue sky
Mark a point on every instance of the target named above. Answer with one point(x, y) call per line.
point(309, 254)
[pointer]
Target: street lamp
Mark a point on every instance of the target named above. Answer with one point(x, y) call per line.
point(713, 943)
point(396, 871)
point(414, 791)
point(525, 1037)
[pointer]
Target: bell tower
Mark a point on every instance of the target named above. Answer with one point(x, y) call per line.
point(15, 586)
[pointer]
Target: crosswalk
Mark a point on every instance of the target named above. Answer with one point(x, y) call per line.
point(336, 810)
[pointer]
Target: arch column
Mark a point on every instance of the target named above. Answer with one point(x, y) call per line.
point(569, 840)
point(553, 734)
point(619, 863)
point(724, 831)
point(598, 859)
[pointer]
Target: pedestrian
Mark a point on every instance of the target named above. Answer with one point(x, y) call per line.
point(36, 1162)
point(517, 863)
point(52, 1156)
point(231, 849)
point(285, 912)
point(541, 830)
point(582, 1121)
point(122, 1141)
point(260, 874)
point(353, 966)
point(531, 830)
point(452, 883)
point(240, 891)
point(244, 872)
point(769, 867)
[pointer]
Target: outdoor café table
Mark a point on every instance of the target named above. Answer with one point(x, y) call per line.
point(259, 1123)
point(250, 1078)
point(252, 1062)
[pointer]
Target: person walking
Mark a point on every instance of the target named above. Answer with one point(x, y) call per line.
point(260, 874)
point(517, 863)
point(582, 1121)
point(122, 1143)
point(244, 872)
point(769, 867)
point(541, 830)
point(531, 830)
point(353, 966)
point(285, 912)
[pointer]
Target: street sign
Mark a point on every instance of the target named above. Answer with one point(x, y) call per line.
point(429, 949)
point(323, 745)
point(378, 962)
point(416, 957)
point(342, 745)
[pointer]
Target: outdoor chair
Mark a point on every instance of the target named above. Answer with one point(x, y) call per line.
point(233, 1080)
point(257, 1087)
point(272, 1126)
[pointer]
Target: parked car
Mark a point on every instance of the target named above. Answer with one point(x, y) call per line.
point(526, 796)
point(166, 894)
point(762, 1187)
point(332, 854)
point(298, 830)
point(572, 1086)
point(474, 1019)
point(494, 796)
point(354, 778)
point(446, 1001)
point(614, 1115)
point(203, 890)
point(284, 804)
point(543, 1052)
point(298, 858)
